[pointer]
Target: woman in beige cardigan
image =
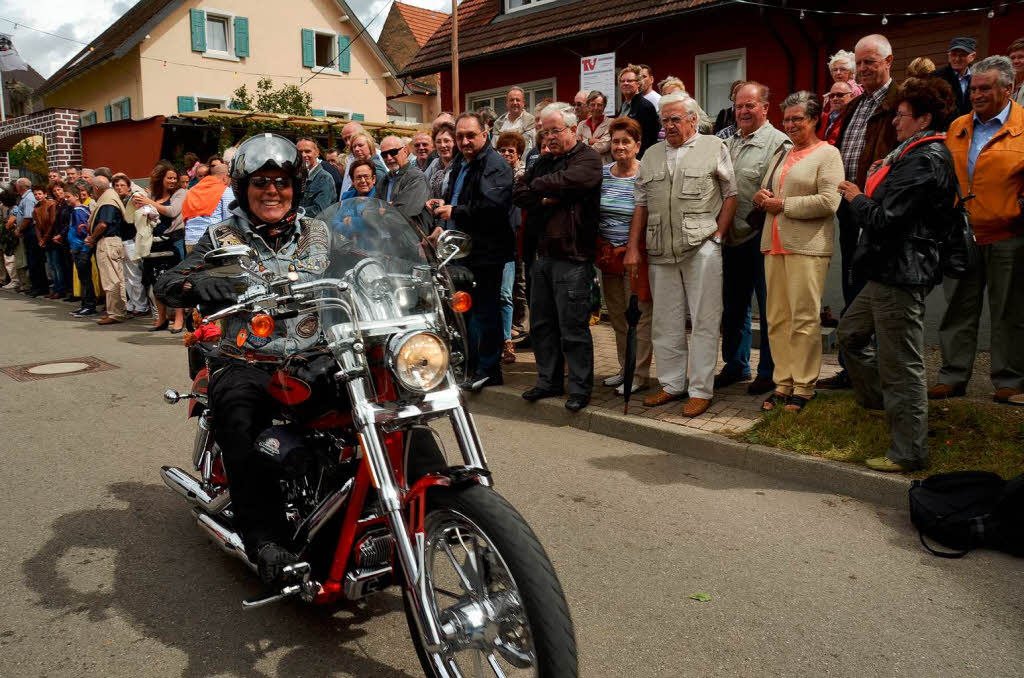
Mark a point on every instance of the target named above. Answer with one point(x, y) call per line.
point(798, 241)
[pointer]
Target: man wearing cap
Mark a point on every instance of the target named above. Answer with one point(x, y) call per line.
point(958, 72)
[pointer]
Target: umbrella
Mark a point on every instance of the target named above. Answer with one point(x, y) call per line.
point(629, 360)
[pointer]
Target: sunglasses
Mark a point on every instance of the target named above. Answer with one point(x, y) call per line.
point(280, 183)
point(393, 153)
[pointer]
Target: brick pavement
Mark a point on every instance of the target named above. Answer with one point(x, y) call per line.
point(732, 411)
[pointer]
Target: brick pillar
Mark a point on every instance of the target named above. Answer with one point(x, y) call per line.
point(5, 168)
point(63, 139)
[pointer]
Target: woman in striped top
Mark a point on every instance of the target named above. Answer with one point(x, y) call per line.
point(613, 227)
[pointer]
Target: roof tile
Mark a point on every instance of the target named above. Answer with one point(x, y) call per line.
point(422, 22)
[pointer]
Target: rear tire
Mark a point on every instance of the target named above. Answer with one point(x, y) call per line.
point(515, 574)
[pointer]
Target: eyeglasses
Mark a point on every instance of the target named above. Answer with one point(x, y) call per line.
point(507, 151)
point(280, 183)
point(556, 130)
point(393, 153)
point(674, 120)
point(796, 120)
point(836, 95)
point(627, 82)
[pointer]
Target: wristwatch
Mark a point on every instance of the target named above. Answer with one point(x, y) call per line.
point(717, 239)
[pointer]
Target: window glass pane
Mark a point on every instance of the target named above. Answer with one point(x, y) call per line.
point(207, 104)
point(512, 4)
point(498, 105)
point(718, 77)
point(216, 34)
point(324, 50)
point(414, 112)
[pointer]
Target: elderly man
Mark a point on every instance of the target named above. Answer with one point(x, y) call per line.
point(71, 175)
point(579, 105)
point(35, 256)
point(320, 191)
point(831, 120)
point(988, 153)
point(515, 119)
point(867, 135)
point(347, 132)
point(957, 72)
point(685, 196)
point(405, 186)
point(637, 107)
point(751, 148)
point(647, 85)
point(561, 195)
point(477, 202)
point(105, 225)
point(422, 146)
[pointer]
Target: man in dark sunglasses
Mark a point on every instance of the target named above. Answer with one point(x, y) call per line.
point(405, 186)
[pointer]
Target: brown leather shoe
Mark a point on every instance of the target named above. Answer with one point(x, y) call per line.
point(107, 321)
point(695, 407)
point(662, 397)
point(943, 391)
point(1003, 395)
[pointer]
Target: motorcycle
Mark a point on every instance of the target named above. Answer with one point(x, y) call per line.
point(370, 493)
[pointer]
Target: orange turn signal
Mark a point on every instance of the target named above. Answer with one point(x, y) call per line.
point(461, 302)
point(262, 325)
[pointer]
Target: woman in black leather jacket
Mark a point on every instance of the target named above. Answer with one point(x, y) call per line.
point(904, 214)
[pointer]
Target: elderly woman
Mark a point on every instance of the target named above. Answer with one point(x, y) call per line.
point(1016, 53)
point(363, 147)
point(800, 197)
point(903, 215)
point(364, 180)
point(511, 146)
point(614, 218)
point(842, 66)
point(594, 130)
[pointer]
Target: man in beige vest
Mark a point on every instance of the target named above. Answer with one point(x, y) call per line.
point(685, 202)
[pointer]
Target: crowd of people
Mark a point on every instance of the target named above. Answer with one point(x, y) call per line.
point(695, 216)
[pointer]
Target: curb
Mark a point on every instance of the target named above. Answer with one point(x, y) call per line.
point(820, 474)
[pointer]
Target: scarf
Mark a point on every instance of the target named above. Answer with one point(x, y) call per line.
point(878, 171)
point(202, 199)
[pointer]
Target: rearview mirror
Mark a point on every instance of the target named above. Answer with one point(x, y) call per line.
point(230, 261)
point(453, 245)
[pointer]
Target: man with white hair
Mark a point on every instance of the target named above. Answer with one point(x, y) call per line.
point(35, 257)
point(579, 105)
point(866, 135)
point(105, 225)
point(405, 186)
point(515, 119)
point(685, 197)
point(561, 196)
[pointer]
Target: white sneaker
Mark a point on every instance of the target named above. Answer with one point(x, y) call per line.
point(614, 380)
point(621, 390)
point(11, 286)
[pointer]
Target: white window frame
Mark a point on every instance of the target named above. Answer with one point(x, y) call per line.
point(531, 4)
point(229, 18)
point(337, 112)
point(502, 92)
point(332, 69)
point(406, 120)
point(702, 60)
point(222, 102)
point(115, 108)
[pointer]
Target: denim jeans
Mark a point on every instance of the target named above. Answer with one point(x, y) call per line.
point(484, 325)
point(743, 276)
point(55, 259)
point(508, 280)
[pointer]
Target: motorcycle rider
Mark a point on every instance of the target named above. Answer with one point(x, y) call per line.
point(268, 177)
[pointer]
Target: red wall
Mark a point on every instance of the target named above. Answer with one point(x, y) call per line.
point(129, 146)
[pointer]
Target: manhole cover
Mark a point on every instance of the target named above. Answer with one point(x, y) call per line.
point(58, 368)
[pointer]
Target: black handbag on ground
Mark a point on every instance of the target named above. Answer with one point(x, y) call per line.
point(755, 217)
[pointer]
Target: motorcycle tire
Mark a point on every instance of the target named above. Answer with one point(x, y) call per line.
point(534, 578)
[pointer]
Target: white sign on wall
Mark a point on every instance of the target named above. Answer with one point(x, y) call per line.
point(598, 72)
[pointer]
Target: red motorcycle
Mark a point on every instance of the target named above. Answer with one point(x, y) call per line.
point(370, 492)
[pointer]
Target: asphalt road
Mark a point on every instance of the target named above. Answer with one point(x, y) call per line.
point(103, 574)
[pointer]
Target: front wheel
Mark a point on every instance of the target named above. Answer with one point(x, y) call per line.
point(493, 592)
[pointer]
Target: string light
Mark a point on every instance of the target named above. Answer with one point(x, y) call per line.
point(803, 15)
point(991, 14)
point(885, 21)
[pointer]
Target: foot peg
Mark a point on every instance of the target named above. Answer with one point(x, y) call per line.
point(286, 592)
point(296, 572)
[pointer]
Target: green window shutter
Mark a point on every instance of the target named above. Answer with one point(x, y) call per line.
point(241, 36)
point(108, 113)
point(89, 119)
point(308, 56)
point(126, 109)
point(197, 19)
point(186, 104)
point(358, 116)
point(344, 54)
point(319, 112)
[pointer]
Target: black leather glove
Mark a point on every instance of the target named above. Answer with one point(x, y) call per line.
point(462, 278)
point(213, 290)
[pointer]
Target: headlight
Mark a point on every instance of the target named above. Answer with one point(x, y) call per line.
point(419, 360)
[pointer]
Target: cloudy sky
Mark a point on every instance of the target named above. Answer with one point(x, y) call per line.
point(83, 21)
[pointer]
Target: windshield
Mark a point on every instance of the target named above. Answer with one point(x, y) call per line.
point(368, 227)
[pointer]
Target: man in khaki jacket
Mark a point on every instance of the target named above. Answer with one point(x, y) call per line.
point(685, 197)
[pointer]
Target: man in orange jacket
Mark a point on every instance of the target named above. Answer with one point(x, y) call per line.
point(988, 152)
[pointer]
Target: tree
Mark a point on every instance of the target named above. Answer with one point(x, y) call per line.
point(289, 100)
point(29, 156)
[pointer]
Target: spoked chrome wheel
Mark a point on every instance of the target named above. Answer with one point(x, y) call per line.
point(492, 591)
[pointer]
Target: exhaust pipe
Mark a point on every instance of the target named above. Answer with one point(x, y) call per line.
point(184, 484)
point(227, 539)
